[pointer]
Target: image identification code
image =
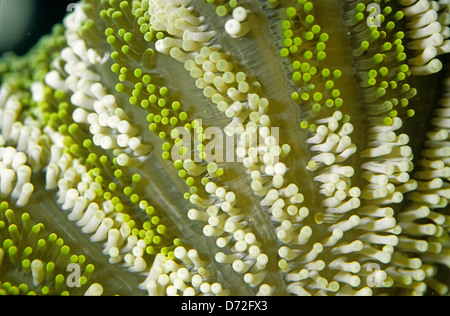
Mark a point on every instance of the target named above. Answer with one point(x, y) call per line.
point(246, 305)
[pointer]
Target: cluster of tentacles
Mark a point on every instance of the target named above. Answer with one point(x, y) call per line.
point(214, 147)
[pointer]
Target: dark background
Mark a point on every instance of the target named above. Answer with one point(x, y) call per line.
point(48, 13)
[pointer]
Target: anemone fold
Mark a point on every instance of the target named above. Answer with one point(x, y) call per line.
point(241, 147)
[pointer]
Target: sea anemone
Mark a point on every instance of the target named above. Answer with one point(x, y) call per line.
point(214, 147)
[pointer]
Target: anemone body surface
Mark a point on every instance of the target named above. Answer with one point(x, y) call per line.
point(212, 147)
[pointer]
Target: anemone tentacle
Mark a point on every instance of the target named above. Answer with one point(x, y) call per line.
point(193, 147)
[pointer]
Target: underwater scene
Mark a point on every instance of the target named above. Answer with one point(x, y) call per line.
point(227, 148)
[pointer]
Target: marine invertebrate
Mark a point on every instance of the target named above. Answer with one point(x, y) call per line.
point(320, 190)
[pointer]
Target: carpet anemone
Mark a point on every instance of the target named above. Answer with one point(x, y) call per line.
point(215, 147)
